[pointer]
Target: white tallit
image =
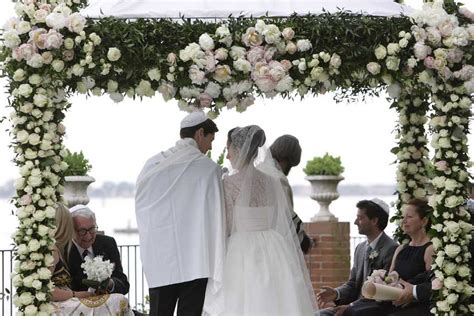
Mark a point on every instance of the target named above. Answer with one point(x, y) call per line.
point(180, 216)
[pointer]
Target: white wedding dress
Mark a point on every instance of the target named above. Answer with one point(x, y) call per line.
point(263, 273)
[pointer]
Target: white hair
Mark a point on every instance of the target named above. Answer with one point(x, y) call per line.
point(84, 212)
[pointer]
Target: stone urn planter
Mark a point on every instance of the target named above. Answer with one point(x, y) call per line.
point(75, 190)
point(324, 191)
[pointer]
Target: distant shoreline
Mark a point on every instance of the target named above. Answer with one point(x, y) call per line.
point(127, 189)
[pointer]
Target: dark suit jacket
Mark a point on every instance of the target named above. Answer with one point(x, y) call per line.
point(350, 291)
point(103, 246)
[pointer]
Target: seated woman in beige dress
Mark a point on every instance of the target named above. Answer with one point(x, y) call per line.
point(66, 301)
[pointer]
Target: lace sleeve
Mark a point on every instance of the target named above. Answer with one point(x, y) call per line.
point(231, 191)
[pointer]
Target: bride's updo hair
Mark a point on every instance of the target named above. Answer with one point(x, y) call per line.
point(247, 140)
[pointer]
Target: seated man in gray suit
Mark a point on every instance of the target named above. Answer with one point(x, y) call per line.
point(373, 254)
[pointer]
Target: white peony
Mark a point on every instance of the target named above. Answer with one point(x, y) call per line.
point(11, 39)
point(206, 42)
point(303, 45)
point(56, 20)
point(272, 33)
point(76, 22)
point(242, 65)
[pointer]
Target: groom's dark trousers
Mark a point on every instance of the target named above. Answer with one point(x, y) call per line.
point(189, 295)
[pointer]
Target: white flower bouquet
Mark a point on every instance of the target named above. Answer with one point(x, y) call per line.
point(382, 286)
point(98, 273)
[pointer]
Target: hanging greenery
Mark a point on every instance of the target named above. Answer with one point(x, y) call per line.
point(424, 62)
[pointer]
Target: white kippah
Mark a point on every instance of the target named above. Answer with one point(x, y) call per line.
point(193, 119)
point(78, 207)
point(384, 206)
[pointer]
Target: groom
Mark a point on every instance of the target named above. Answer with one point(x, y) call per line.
point(180, 217)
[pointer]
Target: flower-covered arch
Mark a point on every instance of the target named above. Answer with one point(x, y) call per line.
point(424, 62)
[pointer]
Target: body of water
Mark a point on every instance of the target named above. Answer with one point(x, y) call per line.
point(119, 213)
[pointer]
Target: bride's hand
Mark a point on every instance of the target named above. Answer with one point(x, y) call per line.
point(327, 294)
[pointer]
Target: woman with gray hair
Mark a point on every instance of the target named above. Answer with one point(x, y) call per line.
point(286, 151)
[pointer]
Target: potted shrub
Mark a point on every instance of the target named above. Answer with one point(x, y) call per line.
point(76, 179)
point(324, 174)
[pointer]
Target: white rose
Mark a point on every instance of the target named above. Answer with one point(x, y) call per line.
point(453, 201)
point(69, 43)
point(22, 136)
point(34, 139)
point(37, 284)
point(44, 273)
point(58, 65)
point(25, 90)
point(403, 43)
point(380, 52)
point(392, 63)
point(303, 45)
point(450, 268)
point(393, 48)
point(33, 245)
point(35, 79)
point(40, 100)
point(41, 297)
point(463, 271)
point(436, 243)
point(206, 42)
point(26, 298)
point(335, 61)
point(19, 75)
point(452, 298)
point(113, 54)
point(213, 89)
point(443, 306)
point(373, 68)
point(154, 74)
point(450, 282)
point(452, 250)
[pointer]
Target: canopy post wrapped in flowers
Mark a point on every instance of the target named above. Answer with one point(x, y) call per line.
point(425, 64)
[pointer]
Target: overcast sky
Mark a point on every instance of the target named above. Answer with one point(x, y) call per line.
point(118, 138)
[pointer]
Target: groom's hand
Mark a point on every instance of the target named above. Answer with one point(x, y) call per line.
point(326, 295)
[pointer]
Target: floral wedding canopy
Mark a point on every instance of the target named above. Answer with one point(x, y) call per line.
point(424, 61)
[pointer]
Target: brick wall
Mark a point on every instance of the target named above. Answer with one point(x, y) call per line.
point(329, 260)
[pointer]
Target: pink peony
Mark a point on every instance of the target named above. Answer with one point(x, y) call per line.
point(255, 54)
point(205, 100)
point(429, 62)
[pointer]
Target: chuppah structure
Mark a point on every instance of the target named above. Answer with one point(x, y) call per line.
point(424, 61)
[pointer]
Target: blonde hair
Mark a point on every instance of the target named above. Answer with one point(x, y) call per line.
point(64, 231)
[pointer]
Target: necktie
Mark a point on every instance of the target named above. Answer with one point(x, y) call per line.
point(85, 253)
point(368, 268)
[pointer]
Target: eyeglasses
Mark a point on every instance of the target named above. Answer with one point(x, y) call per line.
point(83, 232)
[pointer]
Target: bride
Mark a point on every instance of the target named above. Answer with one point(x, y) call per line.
point(264, 272)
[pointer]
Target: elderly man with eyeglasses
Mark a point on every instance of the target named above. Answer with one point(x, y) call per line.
point(87, 243)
